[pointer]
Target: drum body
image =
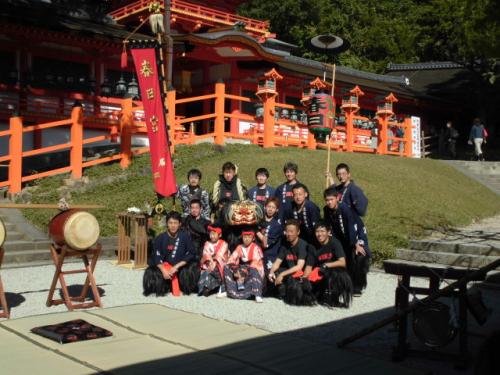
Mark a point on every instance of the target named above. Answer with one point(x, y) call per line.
point(77, 229)
point(432, 324)
point(3, 233)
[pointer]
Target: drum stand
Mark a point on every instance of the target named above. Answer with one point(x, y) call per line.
point(4, 312)
point(58, 256)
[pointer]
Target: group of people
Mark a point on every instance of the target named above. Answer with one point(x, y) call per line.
point(290, 252)
point(449, 135)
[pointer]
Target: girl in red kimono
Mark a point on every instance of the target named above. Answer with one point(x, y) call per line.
point(244, 272)
point(214, 258)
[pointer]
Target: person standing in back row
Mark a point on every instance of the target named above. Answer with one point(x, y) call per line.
point(349, 193)
point(284, 191)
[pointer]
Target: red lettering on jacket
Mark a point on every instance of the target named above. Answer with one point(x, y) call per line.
point(291, 257)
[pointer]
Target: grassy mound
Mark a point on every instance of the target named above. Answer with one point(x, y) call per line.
point(407, 196)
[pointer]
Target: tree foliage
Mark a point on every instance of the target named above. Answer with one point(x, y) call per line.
point(383, 31)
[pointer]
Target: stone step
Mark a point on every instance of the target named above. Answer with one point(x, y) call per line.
point(14, 259)
point(9, 227)
point(14, 236)
point(458, 260)
point(25, 245)
point(455, 247)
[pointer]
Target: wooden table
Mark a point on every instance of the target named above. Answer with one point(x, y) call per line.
point(132, 229)
point(435, 274)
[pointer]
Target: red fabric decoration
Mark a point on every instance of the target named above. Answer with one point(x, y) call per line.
point(176, 290)
point(149, 84)
point(215, 229)
point(124, 58)
point(249, 233)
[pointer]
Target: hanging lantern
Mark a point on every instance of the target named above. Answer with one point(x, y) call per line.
point(105, 88)
point(121, 87)
point(321, 115)
point(293, 115)
point(133, 89)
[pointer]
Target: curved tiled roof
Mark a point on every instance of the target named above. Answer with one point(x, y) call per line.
point(430, 65)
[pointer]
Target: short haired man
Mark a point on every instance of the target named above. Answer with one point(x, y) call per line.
point(348, 227)
point(228, 187)
point(186, 193)
point(349, 192)
point(196, 225)
point(261, 192)
point(326, 269)
point(303, 210)
point(284, 191)
point(171, 268)
point(287, 268)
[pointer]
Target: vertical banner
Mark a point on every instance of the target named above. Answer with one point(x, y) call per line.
point(416, 137)
point(146, 65)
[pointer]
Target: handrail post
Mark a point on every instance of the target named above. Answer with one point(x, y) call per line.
point(311, 142)
point(171, 97)
point(16, 155)
point(76, 154)
point(408, 138)
point(126, 123)
point(349, 130)
point(382, 135)
point(269, 120)
point(220, 92)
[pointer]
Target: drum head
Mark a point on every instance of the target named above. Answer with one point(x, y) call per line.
point(81, 230)
point(3, 233)
point(432, 324)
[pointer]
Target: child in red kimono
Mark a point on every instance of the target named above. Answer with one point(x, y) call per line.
point(244, 272)
point(214, 258)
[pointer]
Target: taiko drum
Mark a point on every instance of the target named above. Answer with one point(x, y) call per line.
point(3, 233)
point(76, 229)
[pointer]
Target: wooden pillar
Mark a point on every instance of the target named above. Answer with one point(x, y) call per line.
point(311, 142)
point(349, 130)
point(235, 122)
point(408, 138)
point(220, 90)
point(76, 154)
point(171, 97)
point(382, 134)
point(269, 121)
point(126, 123)
point(16, 155)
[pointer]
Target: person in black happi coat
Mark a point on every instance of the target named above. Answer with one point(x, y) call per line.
point(284, 191)
point(196, 225)
point(305, 211)
point(348, 227)
point(349, 193)
point(171, 268)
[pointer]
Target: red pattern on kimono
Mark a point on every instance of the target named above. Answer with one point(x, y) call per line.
point(251, 255)
point(219, 252)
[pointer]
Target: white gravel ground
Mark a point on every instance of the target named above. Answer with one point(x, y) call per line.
point(27, 290)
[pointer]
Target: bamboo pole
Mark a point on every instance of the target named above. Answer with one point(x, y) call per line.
point(327, 183)
point(49, 206)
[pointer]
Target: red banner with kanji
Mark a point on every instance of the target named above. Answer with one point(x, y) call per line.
point(146, 66)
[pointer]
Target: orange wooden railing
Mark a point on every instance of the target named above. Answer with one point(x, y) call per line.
point(124, 123)
point(194, 13)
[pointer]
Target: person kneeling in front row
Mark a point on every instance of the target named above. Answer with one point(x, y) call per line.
point(171, 268)
point(326, 269)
